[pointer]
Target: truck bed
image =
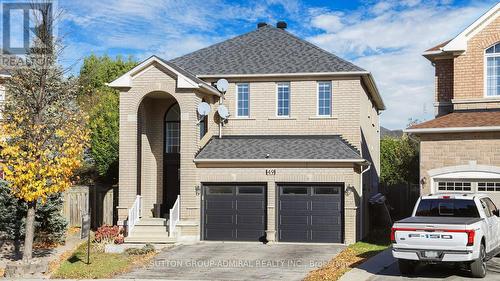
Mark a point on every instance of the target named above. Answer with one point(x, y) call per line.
point(440, 220)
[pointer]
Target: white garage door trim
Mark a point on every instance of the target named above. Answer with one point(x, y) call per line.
point(465, 178)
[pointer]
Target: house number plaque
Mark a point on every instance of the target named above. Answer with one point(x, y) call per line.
point(270, 172)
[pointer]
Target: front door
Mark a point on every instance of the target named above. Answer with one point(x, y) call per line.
point(171, 180)
point(171, 159)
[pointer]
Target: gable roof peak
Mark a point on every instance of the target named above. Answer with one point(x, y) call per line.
point(459, 42)
point(265, 50)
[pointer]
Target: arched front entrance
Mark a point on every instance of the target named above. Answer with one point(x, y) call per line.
point(171, 158)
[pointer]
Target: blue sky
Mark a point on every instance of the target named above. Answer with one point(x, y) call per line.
point(384, 37)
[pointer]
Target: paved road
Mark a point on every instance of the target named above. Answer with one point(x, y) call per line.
point(438, 272)
point(237, 261)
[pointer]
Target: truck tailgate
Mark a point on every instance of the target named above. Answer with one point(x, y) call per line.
point(434, 233)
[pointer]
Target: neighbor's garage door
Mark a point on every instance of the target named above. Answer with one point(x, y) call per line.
point(487, 186)
point(234, 212)
point(310, 213)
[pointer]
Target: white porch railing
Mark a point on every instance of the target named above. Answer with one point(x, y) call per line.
point(134, 214)
point(175, 214)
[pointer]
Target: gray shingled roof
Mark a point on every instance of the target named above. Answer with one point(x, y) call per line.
point(278, 147)
point(267, 50)
point(183, 71)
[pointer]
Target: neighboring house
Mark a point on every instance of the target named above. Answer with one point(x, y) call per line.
point(297, 157)
point(460, 148)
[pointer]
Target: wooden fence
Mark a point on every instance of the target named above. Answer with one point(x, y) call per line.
point(76, 200)
point(401, 198)
point(102, 200)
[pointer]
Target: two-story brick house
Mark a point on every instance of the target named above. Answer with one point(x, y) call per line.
point(294, 161)
point(460, 148)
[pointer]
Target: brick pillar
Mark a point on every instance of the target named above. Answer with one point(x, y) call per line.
point(271, 211)
point(128, 152)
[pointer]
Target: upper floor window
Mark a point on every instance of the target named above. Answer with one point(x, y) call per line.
point(242, 100)
point(283, 99)
point(492, 80)
point(203, 125)
point(324, 98)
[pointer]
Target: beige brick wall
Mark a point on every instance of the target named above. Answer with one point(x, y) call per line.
point(142, 110)
point(442, 150)
point(346, 95)
point(469, 67)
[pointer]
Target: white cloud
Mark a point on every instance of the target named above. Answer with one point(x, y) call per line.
point(330, 22)
point(386, 37)
point(170, 28)
point(381, 7)
point(388, 40)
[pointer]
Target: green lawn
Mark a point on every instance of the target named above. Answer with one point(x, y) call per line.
point(102, 265)
point(376, 242)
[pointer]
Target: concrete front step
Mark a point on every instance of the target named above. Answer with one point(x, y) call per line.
point(150, 229)
point(153, 240)
point(148, 235)
point(152, 221)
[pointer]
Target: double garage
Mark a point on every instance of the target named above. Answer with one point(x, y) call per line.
point(305, 212)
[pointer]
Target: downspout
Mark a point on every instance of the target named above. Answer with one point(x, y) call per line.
point(362, 200)
point(221, 101)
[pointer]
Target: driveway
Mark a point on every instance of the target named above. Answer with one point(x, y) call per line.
point(438, 272)
point(237, 261)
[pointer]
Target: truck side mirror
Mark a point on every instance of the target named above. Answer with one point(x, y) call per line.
point(496, 212)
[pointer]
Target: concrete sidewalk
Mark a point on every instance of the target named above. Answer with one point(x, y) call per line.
point(371, 267)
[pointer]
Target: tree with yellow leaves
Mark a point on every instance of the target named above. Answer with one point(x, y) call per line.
point(43, 134)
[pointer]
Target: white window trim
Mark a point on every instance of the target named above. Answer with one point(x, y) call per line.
point(289, 100)
point(236, 102)
point(317, 99)
point(485, 71)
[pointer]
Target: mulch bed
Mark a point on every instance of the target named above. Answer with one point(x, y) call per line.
point(340, 264)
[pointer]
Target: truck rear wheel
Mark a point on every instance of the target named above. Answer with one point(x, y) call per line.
point(478, 267)
point(406, 267)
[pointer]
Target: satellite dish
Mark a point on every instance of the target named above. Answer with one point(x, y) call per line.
point(222, 85)
point(223, 112)
point(203, 108)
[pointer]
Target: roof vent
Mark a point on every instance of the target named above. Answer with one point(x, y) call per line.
point(281, 25)
point(261, 24)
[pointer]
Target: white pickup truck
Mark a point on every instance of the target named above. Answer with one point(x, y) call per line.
point(461, 228)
